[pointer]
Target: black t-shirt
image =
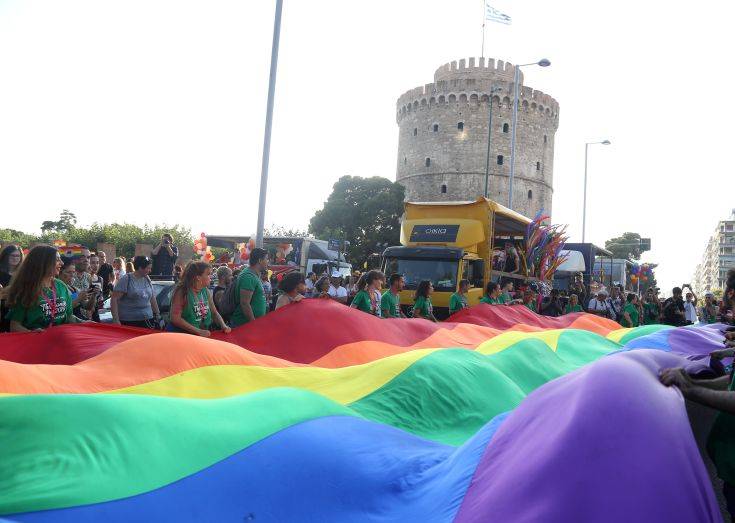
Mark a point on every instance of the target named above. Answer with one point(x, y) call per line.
point(106, 271)
point(163, 262)
point(672, 306)
point(4, 322)
point(510, 262)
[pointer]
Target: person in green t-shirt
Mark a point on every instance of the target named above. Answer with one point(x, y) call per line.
point(368, 297)
point(529, 300)
point(709, 311)
point(630, 312)
point(192, 306)
point(390, 303)
point(458, 300)
point(651, 308)
point(422, 307)
point(492, 294)
point(573, 305)
point(506, 294)
point(251, 298)
point(719, 394)
point(36, 298)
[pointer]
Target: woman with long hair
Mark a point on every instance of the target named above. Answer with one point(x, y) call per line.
point(118, 269)
point(129, 267)
point(36, 297)
point(192, 307)
point(368, 294)
point(10, 260)
point(133, 302)
point(292, 289)
point(422, 307)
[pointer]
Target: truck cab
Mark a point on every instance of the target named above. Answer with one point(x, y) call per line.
point(450, 241)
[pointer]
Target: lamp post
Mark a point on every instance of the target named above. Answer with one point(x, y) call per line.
point(584, 198)
point(516, 80)
point(268, 124)
point(493, 90)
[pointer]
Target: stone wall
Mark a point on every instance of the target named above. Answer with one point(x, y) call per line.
point(446, 123)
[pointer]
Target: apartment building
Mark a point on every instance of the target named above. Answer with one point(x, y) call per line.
point(718, 258)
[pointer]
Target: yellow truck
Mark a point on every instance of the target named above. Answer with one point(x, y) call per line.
point(446, 242)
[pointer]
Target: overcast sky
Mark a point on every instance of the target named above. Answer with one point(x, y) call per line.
point(152, 111)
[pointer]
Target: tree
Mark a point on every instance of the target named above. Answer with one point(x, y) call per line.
point(627, 246)
point(364, 211)
point(66, 222)
point(279, 231)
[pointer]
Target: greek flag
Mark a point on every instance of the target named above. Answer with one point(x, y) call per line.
point(494, 15)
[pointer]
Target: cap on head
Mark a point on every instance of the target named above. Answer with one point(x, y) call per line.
point(336, 274)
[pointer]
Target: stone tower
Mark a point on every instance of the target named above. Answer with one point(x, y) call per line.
point(443, 132)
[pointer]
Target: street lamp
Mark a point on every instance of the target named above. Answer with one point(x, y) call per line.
point(516, 80)
point(493, 90)
point(268, 124)
point(584, 200)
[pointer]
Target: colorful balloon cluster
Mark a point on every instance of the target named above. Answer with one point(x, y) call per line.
point(245, 249)
point(642, 272)
point(543, 247)
point(202, 249)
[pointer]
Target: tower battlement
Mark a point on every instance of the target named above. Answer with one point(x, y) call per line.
point(463, 90)
point(476, 68)
point(443, 137)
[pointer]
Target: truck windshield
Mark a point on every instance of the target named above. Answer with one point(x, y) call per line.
point(442, 273)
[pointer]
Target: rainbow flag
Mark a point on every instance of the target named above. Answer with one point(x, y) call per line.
point(318, 412)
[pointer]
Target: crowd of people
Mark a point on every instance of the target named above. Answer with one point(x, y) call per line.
point(47, 289)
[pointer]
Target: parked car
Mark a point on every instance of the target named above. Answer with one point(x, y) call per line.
point(164, 292)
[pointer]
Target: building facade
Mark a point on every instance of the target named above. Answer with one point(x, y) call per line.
point(718, 258)
point(443, 137)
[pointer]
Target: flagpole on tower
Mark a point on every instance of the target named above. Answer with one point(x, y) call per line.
point(482, 54)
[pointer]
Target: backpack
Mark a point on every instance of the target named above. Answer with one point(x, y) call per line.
point(228, 300)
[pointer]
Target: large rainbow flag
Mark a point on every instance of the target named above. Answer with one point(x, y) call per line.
point(322, 413)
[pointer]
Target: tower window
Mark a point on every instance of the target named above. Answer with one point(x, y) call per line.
point(436, 127)
point(538, 166)
point(428, 162)
point(444, 188)
point(530, 194)
point(415, 131)
point(404, 160)
point(506, 127)
point(500, 159)
point(460, 126)
point(545, 138)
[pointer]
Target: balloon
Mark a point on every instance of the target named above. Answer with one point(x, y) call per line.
point(644, 278)
point(634, 278)
point(202, 235)
point(245, 256)
point(251, 243)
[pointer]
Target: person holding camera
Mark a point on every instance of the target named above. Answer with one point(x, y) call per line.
point(673, 310)
point(164, 257)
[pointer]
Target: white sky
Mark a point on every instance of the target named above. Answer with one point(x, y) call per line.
point(152, 111)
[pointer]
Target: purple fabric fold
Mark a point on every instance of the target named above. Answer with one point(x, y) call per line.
point(607, 443)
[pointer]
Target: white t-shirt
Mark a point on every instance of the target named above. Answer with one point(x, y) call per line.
point(337, 292)
point(309, 284)
point(690, 312)
point(597, 305)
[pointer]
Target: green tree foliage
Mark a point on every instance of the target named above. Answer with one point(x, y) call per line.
point(278, 231)
point(66, 222)
point(364, 211)
point(626, 246)
point(123, 235)
point(8, 236)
